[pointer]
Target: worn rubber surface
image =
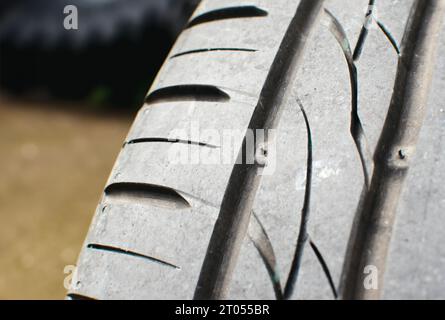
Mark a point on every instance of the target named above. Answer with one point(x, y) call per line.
point(151, 230)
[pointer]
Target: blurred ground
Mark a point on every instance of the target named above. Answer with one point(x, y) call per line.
point(53, 165)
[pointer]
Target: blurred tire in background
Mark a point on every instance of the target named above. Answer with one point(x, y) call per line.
point(110, 59)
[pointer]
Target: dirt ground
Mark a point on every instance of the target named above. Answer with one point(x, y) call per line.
point(53, 165)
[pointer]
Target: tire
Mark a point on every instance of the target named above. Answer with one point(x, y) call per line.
point(166, 229)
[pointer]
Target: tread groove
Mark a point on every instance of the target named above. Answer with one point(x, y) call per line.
point(180, 54)
point(189, 92)
point(364, 32)
point(102, 247)
point(258, 235)
point(389, 36)
point(356, 127)
point(79, 297)
point(305, 213)
point(227, 13)
point(146, 194)
point(324, 266)
point(167, 140)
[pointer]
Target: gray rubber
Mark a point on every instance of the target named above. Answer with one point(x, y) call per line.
point(151, 230)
